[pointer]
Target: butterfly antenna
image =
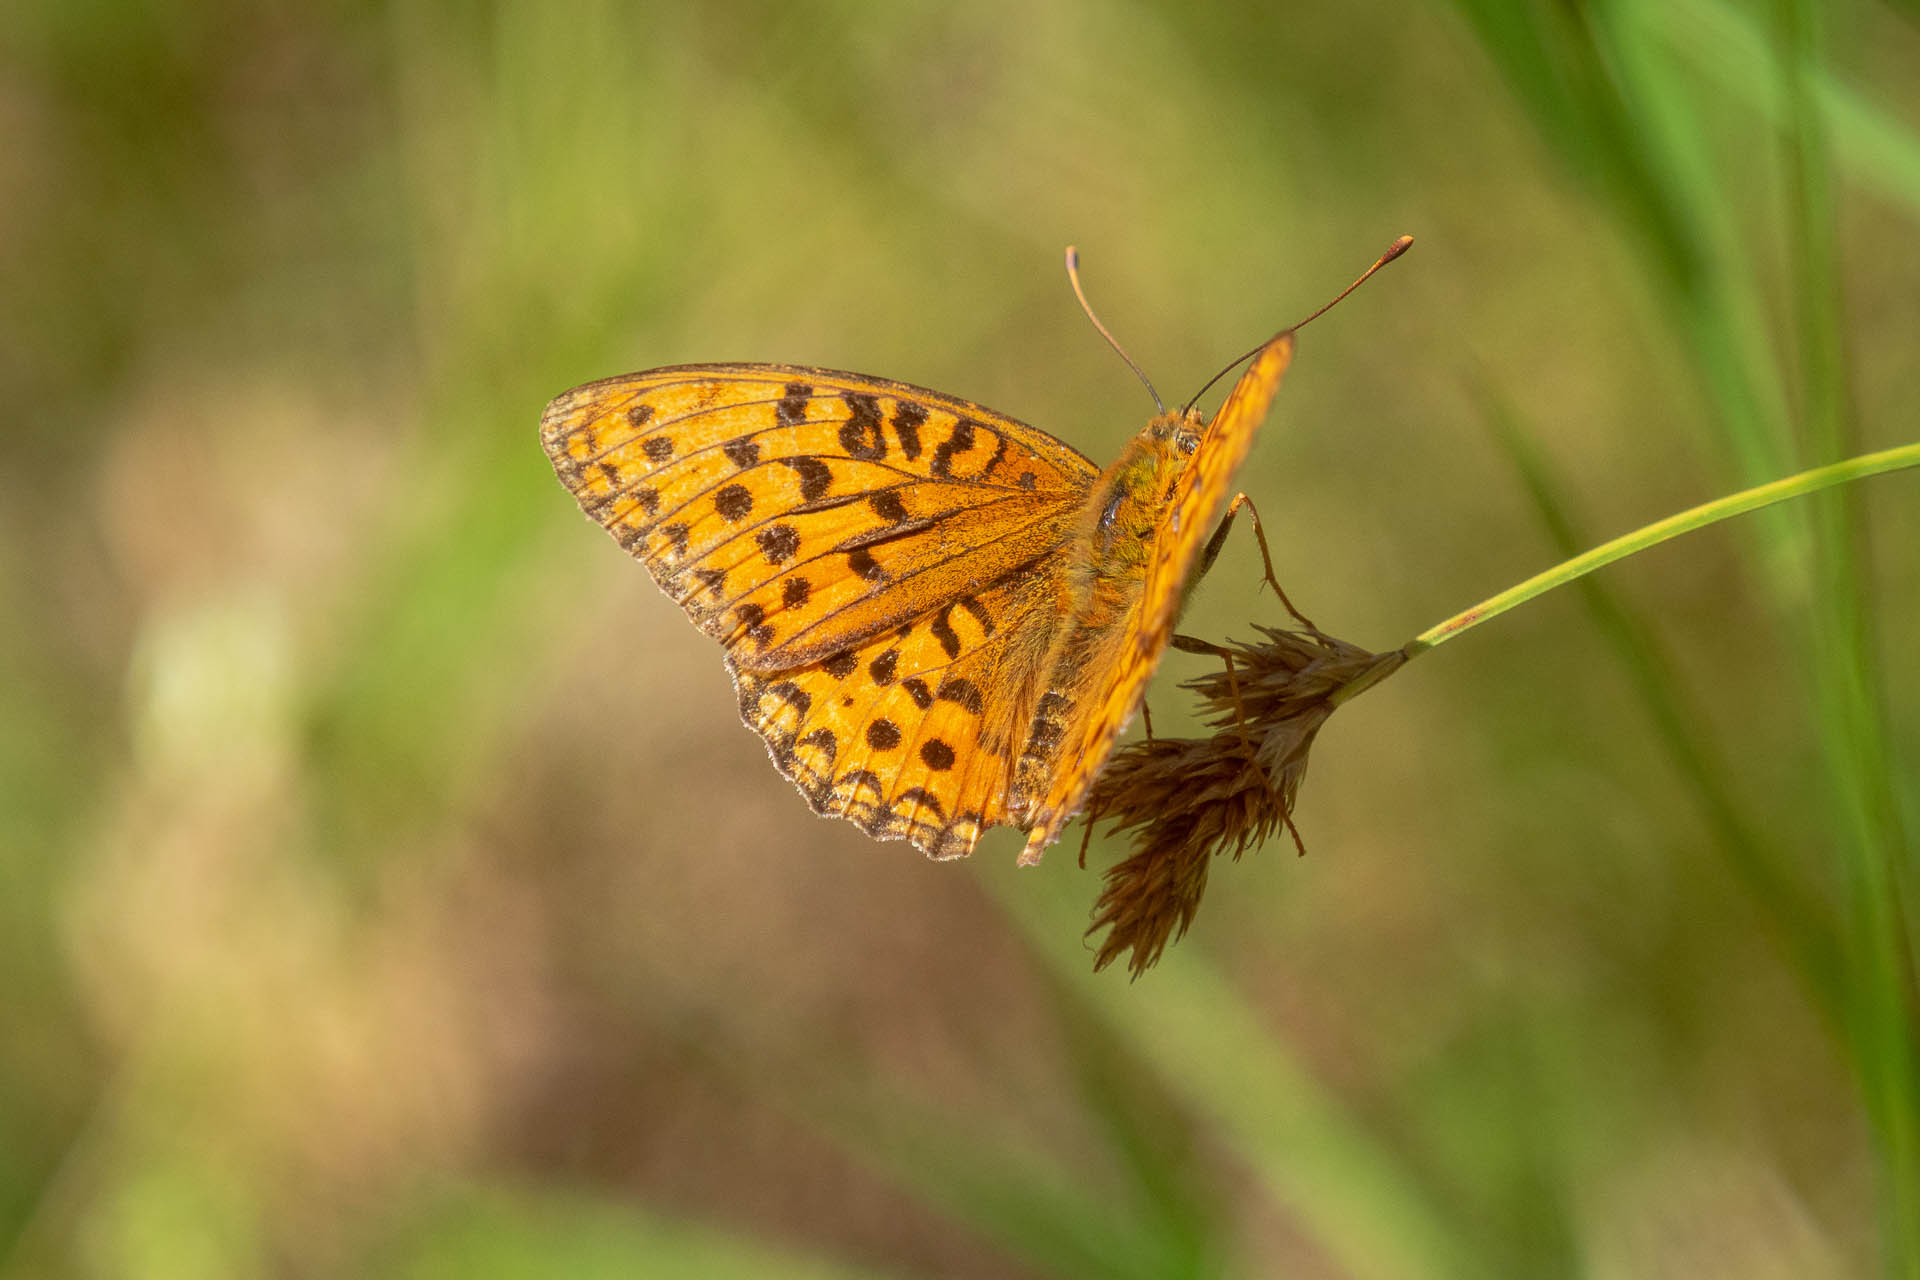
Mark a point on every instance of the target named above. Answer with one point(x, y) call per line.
point(1073, 274)
point(1394, 250)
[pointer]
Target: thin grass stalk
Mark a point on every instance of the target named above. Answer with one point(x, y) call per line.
point(1812, 481)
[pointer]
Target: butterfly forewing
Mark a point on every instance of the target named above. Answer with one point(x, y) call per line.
point(793, 512)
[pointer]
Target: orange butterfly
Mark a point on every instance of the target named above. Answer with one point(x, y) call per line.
point(939, 618)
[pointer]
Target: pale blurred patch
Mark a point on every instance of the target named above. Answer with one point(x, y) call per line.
point(1698, 1208)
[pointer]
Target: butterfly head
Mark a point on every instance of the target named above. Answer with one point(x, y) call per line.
point(1179, 432)
point(1134, 491)
point(1162, 451)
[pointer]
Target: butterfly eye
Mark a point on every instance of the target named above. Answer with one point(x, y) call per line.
point(1188, 442)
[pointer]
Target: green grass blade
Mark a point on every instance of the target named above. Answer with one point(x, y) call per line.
point(502, 1232)
point(1053, 1218)
point(1870, 146)
point(1355, 1199)
point(1147, 1131)
point(1762, 868)
point(1853, 726)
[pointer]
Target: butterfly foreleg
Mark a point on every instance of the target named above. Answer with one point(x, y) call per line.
point(1219, 539)
point(1211, 551)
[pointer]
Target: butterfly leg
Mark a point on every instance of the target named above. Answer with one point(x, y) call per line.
point(1219, 539)
point(1194, 644)
point(1211, 551)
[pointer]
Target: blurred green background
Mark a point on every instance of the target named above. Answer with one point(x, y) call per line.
point(388, 888)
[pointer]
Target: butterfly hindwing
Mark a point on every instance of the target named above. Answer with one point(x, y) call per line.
point(909, 734)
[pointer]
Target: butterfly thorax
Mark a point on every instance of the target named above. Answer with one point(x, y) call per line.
point(1105, 576)
point(1115, 538)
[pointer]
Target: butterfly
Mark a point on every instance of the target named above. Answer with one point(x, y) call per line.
point(938, 617)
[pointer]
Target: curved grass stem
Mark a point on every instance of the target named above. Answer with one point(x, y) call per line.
point(1794, 486)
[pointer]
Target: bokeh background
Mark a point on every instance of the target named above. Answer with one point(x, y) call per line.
point(388, 888)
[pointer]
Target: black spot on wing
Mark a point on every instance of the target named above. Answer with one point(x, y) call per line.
point(741, 453)
point(815, 476)
point(857, 780)
point(922, 797)
point(959, 441)
point(943, 631)
point(963, 691)
point(777, 543)
point(860, 434)
point(752, 620)
point(733, 502)
point(793, 695)
point(999, 452)
point(908, 417)
point(792, 408)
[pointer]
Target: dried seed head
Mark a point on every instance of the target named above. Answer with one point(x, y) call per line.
point(1187, 799)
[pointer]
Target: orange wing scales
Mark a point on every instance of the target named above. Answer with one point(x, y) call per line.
point(880, 561)
point(908, 735)
point(846, 503)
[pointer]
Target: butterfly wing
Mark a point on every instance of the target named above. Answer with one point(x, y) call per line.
point(880, 561)
point(911, 734)
point(793, 512)
point(1199, 497)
